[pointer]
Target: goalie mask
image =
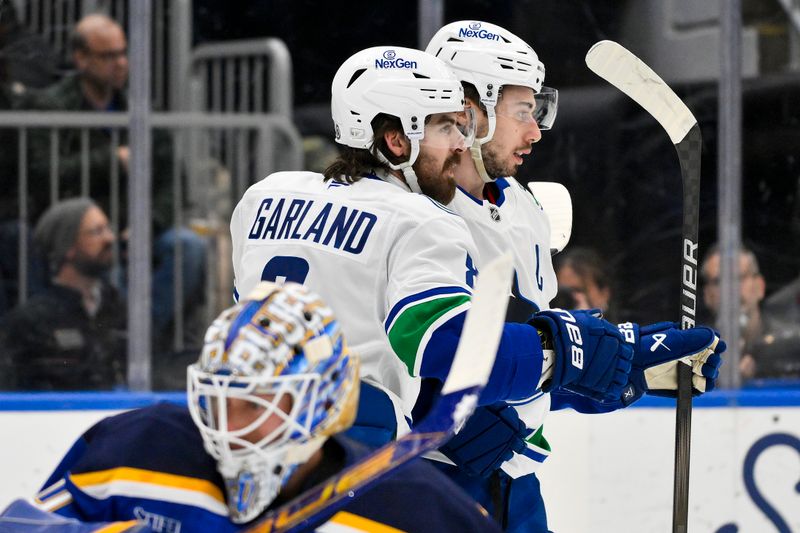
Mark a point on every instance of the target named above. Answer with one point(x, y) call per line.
point(273, 381)
point(407, 84)
point(489, 57)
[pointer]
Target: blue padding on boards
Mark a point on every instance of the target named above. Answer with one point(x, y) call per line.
point(90, 401)
point(84, 401)
point(766, 397)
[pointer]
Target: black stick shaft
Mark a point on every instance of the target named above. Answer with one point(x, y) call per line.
point(689, 152)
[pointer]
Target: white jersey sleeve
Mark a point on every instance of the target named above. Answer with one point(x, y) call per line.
point(391, 264)
point(516, 222)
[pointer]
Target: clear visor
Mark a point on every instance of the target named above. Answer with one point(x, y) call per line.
point(546, 107)
point(542, 111)
point(453, 131)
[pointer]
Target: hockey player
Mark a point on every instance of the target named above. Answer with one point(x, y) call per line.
point(503, 83)
point(274, 386)
point(399, 266)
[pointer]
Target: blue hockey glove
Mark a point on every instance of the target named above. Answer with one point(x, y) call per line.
point(591, 356)
point(658, 347)
point(489, 438)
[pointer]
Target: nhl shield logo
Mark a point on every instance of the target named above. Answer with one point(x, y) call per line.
point(495, 213)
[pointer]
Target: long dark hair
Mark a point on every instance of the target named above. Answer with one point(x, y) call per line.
point(354, 163)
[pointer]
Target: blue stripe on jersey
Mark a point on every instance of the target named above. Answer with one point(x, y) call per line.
point(518, 365)
point(518, 294)
point(536, 456)
point(468, 195)
point(235, 295)
point(440, 206)
point(408, 300)
point(526, 401)
point(441, 348)
point(502, 184)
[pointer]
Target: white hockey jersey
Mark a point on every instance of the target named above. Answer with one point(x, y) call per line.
point(516, 222)
point(395, 267)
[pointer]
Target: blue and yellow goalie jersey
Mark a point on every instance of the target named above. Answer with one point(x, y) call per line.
point(149, 465)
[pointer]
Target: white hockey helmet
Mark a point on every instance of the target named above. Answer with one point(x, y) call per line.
point(489, 57)
point(273, 382)
point(405, 83)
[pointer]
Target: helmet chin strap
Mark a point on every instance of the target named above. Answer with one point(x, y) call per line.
point(406, 167)
point(475, 149)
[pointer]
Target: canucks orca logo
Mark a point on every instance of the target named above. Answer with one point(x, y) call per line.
point(495, 213)
point(390, 60)
point(475, 26)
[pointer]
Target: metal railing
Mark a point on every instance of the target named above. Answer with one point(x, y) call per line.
point(171, 23)
point(208, 167)
point(248, 76)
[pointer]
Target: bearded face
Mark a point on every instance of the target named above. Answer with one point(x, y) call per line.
point(435, 175)
point(515, 132)
point(92, 253)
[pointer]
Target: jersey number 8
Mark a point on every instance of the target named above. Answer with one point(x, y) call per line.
point(283, 268)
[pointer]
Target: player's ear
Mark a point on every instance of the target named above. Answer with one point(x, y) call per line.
point(397, 143)
point(80, 58)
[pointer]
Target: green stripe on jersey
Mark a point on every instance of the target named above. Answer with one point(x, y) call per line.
point(538, 440)
point(412, 324)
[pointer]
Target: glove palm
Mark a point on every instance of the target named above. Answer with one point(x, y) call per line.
point(659, 347)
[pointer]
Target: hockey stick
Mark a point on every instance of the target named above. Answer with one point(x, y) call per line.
point(557, 205)
point(468, 375)
point(629, 74)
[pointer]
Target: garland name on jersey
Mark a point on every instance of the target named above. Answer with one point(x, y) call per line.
point(333, 225)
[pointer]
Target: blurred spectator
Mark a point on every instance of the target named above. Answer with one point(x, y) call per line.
point(751, 292)
point(769, 348)
point(71, 335)
point(99, 51)
point(779, 352)
point(584, 280)
point(27, 59)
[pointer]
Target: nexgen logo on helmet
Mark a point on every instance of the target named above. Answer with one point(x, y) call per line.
point(475, 31)
point(408, 84)
point(390, 60)
point(489, 65)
